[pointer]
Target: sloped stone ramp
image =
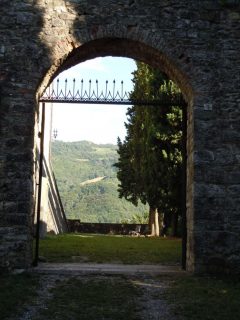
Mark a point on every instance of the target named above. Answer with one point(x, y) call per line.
point(99, 268)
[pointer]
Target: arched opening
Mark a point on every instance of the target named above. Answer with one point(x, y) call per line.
point(119, 47)
point(141, 52)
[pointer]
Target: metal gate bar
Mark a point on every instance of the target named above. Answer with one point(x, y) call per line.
point(62, 92)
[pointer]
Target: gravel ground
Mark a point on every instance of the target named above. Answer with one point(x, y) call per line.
point(46, 283)
point(150, 303)
point(153, 301)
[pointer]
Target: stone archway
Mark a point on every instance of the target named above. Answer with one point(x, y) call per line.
point(138, 51)
point(185, 40)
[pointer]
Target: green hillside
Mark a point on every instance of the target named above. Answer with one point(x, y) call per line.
point(87, 182)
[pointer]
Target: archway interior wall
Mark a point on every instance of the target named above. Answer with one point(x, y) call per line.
point(189, 44)
point(138, 51)
point(52, 217)
point(143, 52)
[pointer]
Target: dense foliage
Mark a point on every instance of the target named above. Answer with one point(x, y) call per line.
point(75, 165)
point(149, 166)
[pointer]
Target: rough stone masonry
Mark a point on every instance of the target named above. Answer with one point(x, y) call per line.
point(197, 43)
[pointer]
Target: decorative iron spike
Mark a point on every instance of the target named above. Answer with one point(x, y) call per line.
point(113, 94)
point(90, 88)
point(65, 88)
point(73, 94)
point(81, 88)
point(57, 86)
point(97, 89)
point(106, 89)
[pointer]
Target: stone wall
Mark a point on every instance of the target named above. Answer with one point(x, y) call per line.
point(52, 215)
point(106, 228)
point(196, 43)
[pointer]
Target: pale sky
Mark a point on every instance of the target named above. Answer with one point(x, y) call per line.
point(96, 123)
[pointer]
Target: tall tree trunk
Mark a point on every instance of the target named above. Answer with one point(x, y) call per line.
point(160, 222)
point(149, 220)
point(153, 222)
point(174, 224)
point(156, 222)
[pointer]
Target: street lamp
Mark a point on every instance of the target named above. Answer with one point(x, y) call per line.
point(55, 133)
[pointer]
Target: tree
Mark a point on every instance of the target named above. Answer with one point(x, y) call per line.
point(149, 165)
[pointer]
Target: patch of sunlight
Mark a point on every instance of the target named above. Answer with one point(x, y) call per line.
point(82, 236)
point(82, 160)
point(93, 180)
point(144, 284)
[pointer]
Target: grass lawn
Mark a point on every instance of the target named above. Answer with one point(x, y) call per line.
point(206, 298)
point(91, 299)
point(15, 291)
point(104, 249)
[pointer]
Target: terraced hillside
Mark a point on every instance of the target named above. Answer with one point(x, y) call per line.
point(88, 184)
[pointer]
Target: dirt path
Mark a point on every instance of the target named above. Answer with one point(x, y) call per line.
point(107, 268)
point(150, 303)
point(46, 283)
point(153, 301)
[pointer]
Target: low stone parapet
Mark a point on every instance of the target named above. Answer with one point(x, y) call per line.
point(75, 225)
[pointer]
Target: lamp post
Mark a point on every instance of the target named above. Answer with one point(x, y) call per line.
point(55, 133)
